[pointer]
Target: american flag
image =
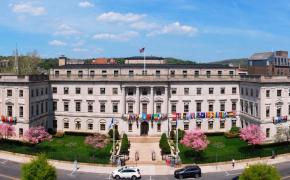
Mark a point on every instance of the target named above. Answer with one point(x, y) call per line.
point(142, 50)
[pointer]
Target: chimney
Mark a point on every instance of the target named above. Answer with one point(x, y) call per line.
point(62, 60)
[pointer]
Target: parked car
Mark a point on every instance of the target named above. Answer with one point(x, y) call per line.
point(188, 172)
point(132, 173)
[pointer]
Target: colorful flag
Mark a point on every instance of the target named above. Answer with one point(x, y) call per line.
point(142, 50)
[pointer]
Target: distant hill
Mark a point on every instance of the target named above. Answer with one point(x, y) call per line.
point(170, 60)
point(242, 62)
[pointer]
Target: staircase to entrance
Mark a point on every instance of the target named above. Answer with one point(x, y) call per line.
point(144, 145)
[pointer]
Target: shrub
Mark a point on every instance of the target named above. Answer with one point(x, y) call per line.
point(172, 134)
point(97, 140)
point(233, 133)
point(260, 171)
point(125, 145)
point(235, 130)
point(37, 169)
point(77, 133)
point(117, 135)
point(163, 144)
point(36, 135)
point(59, 134)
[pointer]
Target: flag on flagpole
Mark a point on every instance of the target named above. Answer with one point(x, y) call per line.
point(142, 50)
point(112, 122)
point(176, 123)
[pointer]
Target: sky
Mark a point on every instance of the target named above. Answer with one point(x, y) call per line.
point(199, 30)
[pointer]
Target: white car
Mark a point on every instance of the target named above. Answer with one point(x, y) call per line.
point(127, 173)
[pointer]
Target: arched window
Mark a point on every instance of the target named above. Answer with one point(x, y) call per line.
point(102, 125)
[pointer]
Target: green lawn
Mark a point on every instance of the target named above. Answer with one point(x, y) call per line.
point(67, 148)
point(225, 149)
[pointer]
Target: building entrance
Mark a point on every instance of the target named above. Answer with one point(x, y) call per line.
point(144, 128)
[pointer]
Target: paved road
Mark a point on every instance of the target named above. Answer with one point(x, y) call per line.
point(11, 171)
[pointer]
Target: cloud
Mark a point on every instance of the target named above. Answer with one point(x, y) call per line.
point(80, 50)
point(175, 28)
point(56, 43)
point(27, 8)
point(119, 37)
point(118, 17)
point(65, 30)
point(85, 4)
point(144, 25)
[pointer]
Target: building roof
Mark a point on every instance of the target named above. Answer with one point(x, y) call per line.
point(146, 57)
point(261, 56)
point(148, 66)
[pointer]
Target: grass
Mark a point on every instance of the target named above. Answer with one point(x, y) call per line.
point(225, 149)
point(67, 148)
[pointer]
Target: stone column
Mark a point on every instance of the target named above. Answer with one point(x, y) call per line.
point(152, 99)
point(123, 101)
point(137, 100)
point(165, 100)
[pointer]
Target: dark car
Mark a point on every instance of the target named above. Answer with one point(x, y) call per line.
point(188, 172)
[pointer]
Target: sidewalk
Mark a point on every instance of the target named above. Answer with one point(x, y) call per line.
point(146, 169)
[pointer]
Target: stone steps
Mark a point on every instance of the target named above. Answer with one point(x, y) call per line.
point(145, 139)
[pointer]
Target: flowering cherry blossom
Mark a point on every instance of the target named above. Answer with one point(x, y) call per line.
point(97, 140)
point(252, 134)
point(36, 135)
point(7, 131)
point(195, 139)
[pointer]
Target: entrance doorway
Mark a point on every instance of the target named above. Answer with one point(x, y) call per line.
point(144, 128)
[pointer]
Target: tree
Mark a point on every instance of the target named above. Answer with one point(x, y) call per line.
point(195, 139)
point(260, 172)
point(283, 134)
point(252, 134)
point(36, 135)
point(117, 135)
point(7, 131)
point(29, 64)
point(38, 169)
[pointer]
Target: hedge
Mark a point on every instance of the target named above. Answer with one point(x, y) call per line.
point(163, 144)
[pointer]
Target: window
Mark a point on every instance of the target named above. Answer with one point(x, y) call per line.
point(90, 126)
point(144, 107)
point(54, 124)
point(78, 125)
point(20, 93)
point(90, 107)
point(234, 90)
point(20, 132)
point(9, 92)
point(90, 90)
point(144, 92)
point(234, 106)
point(173, 108)
point(198, 106)
point(130, 108)
point(102, 127)
point(80, 74)
point(37, 109)
point(173, 126)
point(242, 91)
point(252, 92)
point(102, 107)
point(116, 73)
point(288, 109)
point(131, 73)
point(198, 91)
point(144, 72)
point(210, 107)
point(115, 107)
point(251, 108)
point(173, 91)
point(56, 73)
point(78, 106)
point(54, 90)
point(222, 106)
point(78, 90)
point(46, 106)
point(41, 108)
point(186, 91)
point(196, 73)
point(231, 73)
point(158, 73)
point(210, 124)
point(267, 132)
point(102, 91)
point(104, 73)
point(279, 92)
point(158, 92)
point(9, 111)
point(130, 91)
point(257, 93)
point(234, 123)
point(222, 124)
point(247, 91)
point(222, 90)
point(20, 111)
point(289, 92)
point(210, 90)
point(54, 105)
point(65, 90)
point(278, 114)
point(68, 73)
point(172, 73)
point(242, 105)
point(184, 73)
point(158, 107)
point(198, 125)
point(220, 73)
point(267, 111)
point(267, 93)
point(115, 91)
point(186, 126)
point(32, 92)
point(36, 92)
point(130, 127)
point(66, 125)
point(208, 74)
point(158, 127)
point(65, 106)
point(186, 107)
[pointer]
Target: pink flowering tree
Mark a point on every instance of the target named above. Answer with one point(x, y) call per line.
point(37, 135)
point(195, 139)
point(252, 134)
point(97, 140)
point(7, 131)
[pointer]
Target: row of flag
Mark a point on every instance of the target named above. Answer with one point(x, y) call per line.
point(7, 119)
